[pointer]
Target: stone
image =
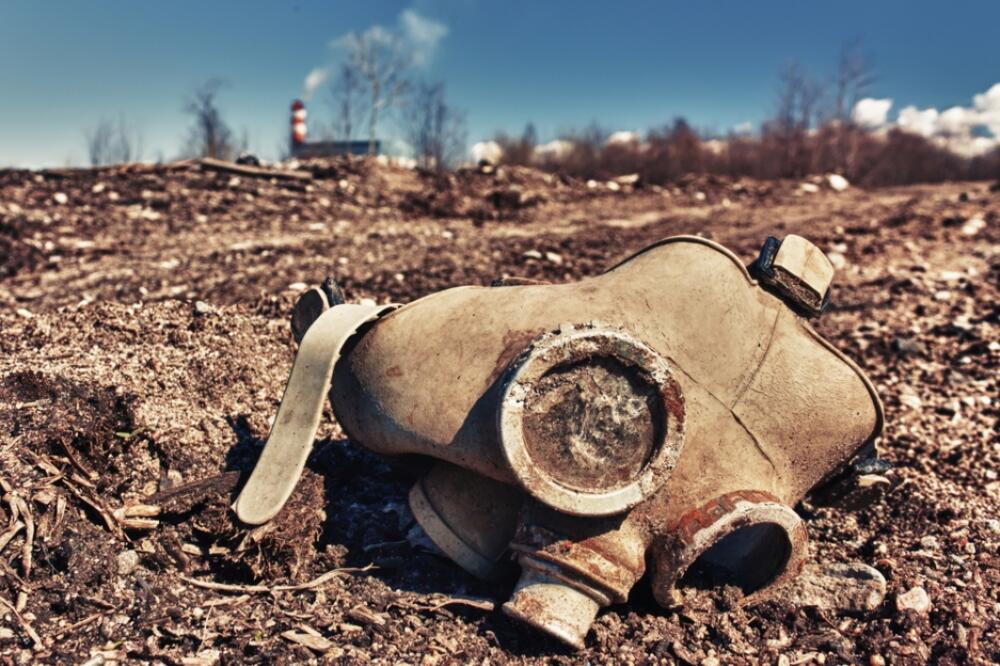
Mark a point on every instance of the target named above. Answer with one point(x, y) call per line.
point(60, 198)
point(907, 345)
point(201, 308)
point(127, 562)
point(973, 226)
point(915, 599)
point(837, 182)
point(849, 586)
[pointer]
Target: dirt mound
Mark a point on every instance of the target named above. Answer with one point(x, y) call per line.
point(130, 413)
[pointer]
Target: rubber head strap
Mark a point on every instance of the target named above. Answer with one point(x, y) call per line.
point(291, 440)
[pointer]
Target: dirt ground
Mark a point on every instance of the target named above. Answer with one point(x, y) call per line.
point(144, 345)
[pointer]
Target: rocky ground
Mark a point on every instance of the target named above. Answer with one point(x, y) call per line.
point(144, 345)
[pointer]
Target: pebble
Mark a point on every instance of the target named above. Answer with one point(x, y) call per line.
point(554, 258)
point(60, 198)
point(838, 260)
point(849, 586)
point(911, 400)
point(127, 561)
point(973, 226)
point(915, 599)
point(201, 308)
point(837, 182)
point(532, 254)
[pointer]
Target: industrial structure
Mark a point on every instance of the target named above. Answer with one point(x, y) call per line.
point(301, 147)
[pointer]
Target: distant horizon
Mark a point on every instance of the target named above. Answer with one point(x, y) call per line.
point(561, 66)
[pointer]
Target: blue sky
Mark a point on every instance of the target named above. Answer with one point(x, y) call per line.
point(628, 65)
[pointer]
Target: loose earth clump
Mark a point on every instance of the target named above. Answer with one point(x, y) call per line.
point(144, 345)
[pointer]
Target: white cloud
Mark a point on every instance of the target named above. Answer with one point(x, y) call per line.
point(420, 35)
point(744, 128)
point(314, 79)
point(871, 113)
point(622, 137)
point(918, 121)
point(487, 150)
point(961, 129)
point(556, 150)
point(987, 105)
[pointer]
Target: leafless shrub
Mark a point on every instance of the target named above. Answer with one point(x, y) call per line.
point(518, 150)
point(111, 142)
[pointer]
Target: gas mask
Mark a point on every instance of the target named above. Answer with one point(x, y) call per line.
point(667, 414)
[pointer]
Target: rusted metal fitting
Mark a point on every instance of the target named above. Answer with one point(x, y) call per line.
point(569, 574)
point(744, 538)
point(798, 271)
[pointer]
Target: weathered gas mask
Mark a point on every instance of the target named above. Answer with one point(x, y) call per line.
point(669, 411)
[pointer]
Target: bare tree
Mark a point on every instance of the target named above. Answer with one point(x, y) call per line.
point(381, 62)
point(434, 128)
point(798, 102)
point(209, 135)
point(113, 143)
point(346, 98)
point(855, 77)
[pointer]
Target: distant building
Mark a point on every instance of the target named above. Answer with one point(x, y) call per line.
point(302, 147)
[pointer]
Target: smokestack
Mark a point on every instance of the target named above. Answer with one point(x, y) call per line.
point(298, 123)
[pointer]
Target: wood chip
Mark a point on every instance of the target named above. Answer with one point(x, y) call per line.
point(365, 615)
point(315, 643)
point(28, 629)
point(257, 172)
point(263, 589)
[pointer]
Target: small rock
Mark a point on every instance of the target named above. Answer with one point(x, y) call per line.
point(915, 599)
point(532, 254)
point(127, 562)
point(838, 260)
point(98, 188)
point(942, 295)
point(905, 345)
point(809, 188)
point(613, 186)
point(554, 258)
point(973, 226)
point(952, 276)
point(201, 308)
point(911, 400)
point(700, 196)
point(840, 586)
point(60, 198)
point(929, 542)
point(837, 182)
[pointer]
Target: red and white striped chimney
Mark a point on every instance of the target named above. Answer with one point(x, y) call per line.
point(298, 122)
